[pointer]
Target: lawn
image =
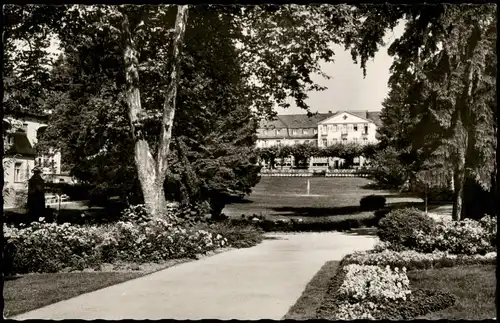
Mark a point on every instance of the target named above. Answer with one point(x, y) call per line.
point(33, 291)
point(28, 292)
point(473, 286)
point(306, 306)
point(286, 197)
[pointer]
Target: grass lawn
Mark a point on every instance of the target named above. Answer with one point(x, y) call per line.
point(306, 306)
point(474, 287)
point(33, 291)
point(28, 292)
point(330, 198)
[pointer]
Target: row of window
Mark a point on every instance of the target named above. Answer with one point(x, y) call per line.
point(345, 128)
point(294, 132)
point(324, 129)
point(344, 140)
point(278, 143)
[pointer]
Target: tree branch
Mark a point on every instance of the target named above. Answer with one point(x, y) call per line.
point(170, 98)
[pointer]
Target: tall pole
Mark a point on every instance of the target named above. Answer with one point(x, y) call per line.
point(308, 186)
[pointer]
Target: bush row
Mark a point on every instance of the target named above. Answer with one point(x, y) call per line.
point(51, 247)
point(278, 225)
point(411, 229)
point(138, 238)
point(412, 259)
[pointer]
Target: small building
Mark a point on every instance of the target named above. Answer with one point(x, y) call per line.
point(22, 132)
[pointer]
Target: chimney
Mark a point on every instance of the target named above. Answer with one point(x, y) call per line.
point(330, 111)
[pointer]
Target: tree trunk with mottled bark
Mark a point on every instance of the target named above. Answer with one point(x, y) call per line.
point(151, 171)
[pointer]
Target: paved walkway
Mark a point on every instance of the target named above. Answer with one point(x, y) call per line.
point(262, 282)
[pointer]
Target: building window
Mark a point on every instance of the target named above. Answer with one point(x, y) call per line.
point(324, 128)
point(355, 139)
point(294, 132)
point(366, 129)
point(365, 140)
point(265, 132)
point(278, 131)
point(17, 172)
point(315, 131)
point(355, 127)
point(305, 131)
point(344, 140)
point(324, 143)
point(334, 140)
point(335, 128)
point(278, 142)
point(10, 139)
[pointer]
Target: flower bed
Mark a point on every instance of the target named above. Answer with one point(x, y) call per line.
point(44, 247)
point(372, 292)
point(412, 259)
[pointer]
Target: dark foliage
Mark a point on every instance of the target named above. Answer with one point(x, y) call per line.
point(399, 226)
point(420, 302)
point(372, 203)
point(308, 226)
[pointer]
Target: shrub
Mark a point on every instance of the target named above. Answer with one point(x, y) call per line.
point(136, 214)
point(489, 224)
point(372, 203)
point(460, 237)
point(399, 227)
point(238, 234)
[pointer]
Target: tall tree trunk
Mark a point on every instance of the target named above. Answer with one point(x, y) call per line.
point(151, 172)
point(458, 192)
point(171, 96)
point(2, 183)
point(463, 137)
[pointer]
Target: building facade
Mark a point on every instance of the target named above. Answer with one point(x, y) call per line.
point(321, 130)
point(21, 135)
point(347, 127)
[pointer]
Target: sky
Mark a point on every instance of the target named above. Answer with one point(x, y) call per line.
point(347, 89)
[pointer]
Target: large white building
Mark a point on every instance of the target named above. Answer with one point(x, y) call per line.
point(347, 127)
point(321, 130)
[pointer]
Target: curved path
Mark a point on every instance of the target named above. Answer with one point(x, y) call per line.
point(262, 282)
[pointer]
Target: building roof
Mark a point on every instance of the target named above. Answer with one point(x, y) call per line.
point(275, 123)
point(375, 117)
point(292, 121)
point(21, 145)
point(302, 120)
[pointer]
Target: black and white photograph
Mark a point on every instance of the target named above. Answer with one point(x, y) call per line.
point(248, 161)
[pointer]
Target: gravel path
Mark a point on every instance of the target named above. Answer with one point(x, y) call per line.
point(261, 282)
